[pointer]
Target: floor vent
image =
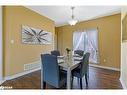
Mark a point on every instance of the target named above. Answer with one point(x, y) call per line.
point(32, 66)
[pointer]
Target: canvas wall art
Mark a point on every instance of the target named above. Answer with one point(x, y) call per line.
point(32, 35)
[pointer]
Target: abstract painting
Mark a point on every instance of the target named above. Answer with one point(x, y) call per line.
point(35, 36)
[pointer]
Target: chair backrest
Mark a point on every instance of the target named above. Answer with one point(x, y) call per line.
point(85, 64)
point(50, 69)
point(79, 52)
point(55, 52)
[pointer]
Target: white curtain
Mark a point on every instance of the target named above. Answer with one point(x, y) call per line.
point(92, 44)
point(87, 41)
point(78, 39)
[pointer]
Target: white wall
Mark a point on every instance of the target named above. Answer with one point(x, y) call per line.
point(1, 44)
point(123, 77)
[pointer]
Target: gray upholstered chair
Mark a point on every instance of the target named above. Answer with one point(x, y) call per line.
point(79, 52)
point(52, 74)
point(55, 52)
point(82, 70)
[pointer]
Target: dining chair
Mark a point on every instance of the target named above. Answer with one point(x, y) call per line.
point(79, 52)
point(55, 52)
point(52, 74)
point(82, 70)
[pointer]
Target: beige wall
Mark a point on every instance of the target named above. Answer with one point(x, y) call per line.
point(109, 38)
point(18, 54)
point(124, 24)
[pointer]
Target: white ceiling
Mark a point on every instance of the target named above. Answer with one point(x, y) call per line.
point(62, 14)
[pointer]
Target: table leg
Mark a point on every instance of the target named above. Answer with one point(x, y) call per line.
point(68, 78)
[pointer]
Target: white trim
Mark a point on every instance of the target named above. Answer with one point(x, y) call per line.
point(21, 74)
point(104, 67)
point(122, 83)
point(1, 47)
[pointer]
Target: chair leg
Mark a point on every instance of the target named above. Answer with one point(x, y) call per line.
point(86, 80)
point(72, 81)
point(44, 85)
point(80, 83)
point(88, 72)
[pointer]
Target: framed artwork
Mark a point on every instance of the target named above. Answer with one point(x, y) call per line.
point(32, 35)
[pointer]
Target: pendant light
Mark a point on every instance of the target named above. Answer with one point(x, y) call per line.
point(73, 21)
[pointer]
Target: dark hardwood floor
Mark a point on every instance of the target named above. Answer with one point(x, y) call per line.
point(98, 79)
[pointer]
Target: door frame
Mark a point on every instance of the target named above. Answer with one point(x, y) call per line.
point(1, 47)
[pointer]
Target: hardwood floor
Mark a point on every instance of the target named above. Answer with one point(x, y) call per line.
point(98, 79)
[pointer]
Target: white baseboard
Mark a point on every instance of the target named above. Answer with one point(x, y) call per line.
point(21, 74)
point(104, 67)
point(122, 83)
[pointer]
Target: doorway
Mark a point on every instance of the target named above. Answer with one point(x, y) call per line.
point(87, 41)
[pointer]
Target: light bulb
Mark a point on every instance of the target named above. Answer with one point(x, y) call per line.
point(72, 22)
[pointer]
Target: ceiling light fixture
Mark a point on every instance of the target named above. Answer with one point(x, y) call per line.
point(73, 21)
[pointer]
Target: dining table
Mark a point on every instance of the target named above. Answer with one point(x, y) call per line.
point(67, 63)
